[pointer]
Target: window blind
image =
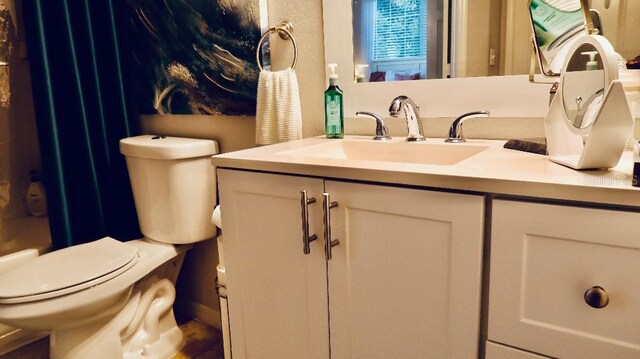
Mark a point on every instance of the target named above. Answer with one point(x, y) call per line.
point(400, 29)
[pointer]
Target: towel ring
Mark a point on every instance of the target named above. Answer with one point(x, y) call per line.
point(284, 30)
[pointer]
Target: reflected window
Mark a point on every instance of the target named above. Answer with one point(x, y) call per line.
point(393, 39)
point(400, 30)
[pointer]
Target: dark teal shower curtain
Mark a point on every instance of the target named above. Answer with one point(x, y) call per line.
point(76, 53)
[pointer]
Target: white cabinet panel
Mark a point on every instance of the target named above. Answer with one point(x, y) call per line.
point(543, 259)
point(277, 295)
point(405, 280)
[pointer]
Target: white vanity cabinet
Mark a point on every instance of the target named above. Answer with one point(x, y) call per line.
point(544, 258)
point(277, 295)
point(403, 281)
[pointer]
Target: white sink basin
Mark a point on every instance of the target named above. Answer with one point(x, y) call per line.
point(403, 152)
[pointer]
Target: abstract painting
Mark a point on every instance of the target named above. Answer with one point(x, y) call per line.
point(195, 56)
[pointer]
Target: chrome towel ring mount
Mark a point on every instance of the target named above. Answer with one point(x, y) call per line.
point(285, 30)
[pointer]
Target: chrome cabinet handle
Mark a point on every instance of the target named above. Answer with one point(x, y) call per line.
point(305, 201)
point(596, 297)
point(327, 205)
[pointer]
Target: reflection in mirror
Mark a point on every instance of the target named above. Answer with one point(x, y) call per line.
point(463, 38)
point(583, 86)
point(428, 39)
point(620, 20)
point(396, 40)
point(556, 25)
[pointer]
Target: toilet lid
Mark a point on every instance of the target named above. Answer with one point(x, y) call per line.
point(67, 270)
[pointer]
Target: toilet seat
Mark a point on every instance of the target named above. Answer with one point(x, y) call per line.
point(77, 268)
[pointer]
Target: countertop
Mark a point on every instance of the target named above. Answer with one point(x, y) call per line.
point(494, 170)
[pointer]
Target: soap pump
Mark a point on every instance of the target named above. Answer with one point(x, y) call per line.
point(333, 106)
point(36, 199)
point(592, 64)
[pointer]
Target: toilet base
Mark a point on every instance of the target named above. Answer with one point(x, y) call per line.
point(169, 344)
point(144, 328)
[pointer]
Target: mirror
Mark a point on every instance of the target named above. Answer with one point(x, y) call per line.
point(556, 26)
point(470, 37)
point(587, 126)
point(583, 87)
point(428, 39)
point(397, 40)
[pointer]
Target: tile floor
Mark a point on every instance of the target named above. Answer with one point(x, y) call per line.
point(203, 342)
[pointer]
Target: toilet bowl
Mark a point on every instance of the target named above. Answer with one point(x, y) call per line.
point(110, 299)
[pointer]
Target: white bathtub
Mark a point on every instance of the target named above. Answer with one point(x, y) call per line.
point(22, 240)
point(22, 233)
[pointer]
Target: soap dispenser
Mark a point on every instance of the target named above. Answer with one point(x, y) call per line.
point(333, 106)
point(36, 199)
point(592, 64)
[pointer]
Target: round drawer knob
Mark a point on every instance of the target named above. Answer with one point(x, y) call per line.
point(596, 297)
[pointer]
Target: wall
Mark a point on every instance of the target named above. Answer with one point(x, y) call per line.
point(19, 153)
point(19, 149)
point(620, 25)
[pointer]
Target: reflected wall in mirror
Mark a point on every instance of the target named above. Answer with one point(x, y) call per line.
point(620, 22)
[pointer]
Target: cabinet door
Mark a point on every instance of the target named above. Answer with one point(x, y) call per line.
point(277, 294)
point(405, 279)
point(544, 258)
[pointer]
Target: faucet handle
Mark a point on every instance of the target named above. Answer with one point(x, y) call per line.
point(382, 132)
point(455, 131)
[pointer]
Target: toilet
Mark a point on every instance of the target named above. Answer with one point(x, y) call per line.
point(111, 299)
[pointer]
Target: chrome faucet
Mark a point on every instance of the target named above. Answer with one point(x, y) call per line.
point(455, 131)
point(412, 115)
point(382, 132)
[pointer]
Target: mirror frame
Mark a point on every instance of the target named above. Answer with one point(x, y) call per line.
point(504, 96)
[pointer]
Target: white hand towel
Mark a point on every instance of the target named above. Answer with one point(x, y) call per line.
point(278, 112)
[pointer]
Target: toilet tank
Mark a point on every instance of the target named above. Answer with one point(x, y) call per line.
point(174, 186)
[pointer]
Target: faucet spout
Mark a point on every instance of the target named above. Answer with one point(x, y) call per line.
point(412, 115)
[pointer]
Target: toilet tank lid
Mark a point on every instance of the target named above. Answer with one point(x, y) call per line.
point(167, 148)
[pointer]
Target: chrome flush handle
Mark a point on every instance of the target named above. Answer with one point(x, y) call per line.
point(327, 205)
point(305, 201)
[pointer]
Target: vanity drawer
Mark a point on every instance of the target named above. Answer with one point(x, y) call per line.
point(543, 260)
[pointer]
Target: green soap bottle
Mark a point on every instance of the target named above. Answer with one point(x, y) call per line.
point(333, 107)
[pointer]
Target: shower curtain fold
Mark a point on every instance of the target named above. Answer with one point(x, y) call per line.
point(76, 53)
